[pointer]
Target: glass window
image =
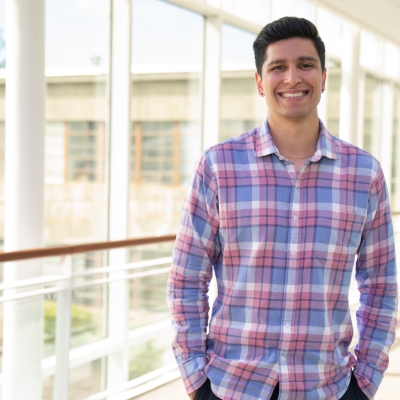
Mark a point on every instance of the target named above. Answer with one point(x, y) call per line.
point(253, 10)
point(166, 72)
point(54, 161)
point(77, 37)
point(391, 65)
point(330, 28)
point(372, 116)
point(164, 152)
point(147, 294)
point(395, 190)
point(333, 82)
point(1, 329)
point(165, 44)
point(2, 115)
point(85, 151)
point(89, 303)
point(297, 8)
point(86, 379)
point(189, 143)
point(2, 149)
point(155, 158)
point(152, 353)
point(88, 306)
point(237, 49)
point(241, 107)
point(167, 58)
point(232, 128)
point(2, 35)
point(371, 51)
point(50, 321)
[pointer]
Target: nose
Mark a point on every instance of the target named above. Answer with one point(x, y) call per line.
point(292, 76)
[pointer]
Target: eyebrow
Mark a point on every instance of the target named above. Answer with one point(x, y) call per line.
point(282, 60)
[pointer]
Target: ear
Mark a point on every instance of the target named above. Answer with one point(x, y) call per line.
point(323, 83)
point(259, 85)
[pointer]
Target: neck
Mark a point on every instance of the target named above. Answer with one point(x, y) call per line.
point(294, 138)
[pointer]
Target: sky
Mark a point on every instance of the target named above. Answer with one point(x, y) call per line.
point(163, 36)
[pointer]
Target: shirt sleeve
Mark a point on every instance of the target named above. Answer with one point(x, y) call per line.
point(196, 250)
point(377, 283)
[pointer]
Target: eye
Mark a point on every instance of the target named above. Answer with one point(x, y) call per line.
point(306, 66)
point(278, 68)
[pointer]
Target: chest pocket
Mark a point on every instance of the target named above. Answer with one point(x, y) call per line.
point(338, 233)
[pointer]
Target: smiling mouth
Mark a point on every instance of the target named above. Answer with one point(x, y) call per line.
point(293, 95)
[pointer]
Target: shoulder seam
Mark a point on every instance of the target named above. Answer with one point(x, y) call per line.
point(235, 139)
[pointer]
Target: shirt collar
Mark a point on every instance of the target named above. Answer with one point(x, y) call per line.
point(265, 144)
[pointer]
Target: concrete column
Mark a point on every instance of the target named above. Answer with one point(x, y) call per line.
point(361, 105)
point(386, 136)
point(211, 94)
point(323, 104)
point(118, 179)
point(24, 187)
point(211, 80)
point(396, 195)
point(350, 83)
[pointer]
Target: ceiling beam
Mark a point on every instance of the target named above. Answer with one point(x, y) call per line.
point(209, 11)
point(377, 29)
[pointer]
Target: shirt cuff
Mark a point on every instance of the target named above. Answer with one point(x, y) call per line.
point(192, 372)
point(368, 379)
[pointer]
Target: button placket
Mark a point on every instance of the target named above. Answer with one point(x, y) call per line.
point(288, 330)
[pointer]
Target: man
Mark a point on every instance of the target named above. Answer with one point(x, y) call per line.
point(280, 214)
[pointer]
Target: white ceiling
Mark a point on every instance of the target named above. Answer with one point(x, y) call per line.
point(381, 16)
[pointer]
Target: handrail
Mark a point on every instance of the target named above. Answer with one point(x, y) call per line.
point(20, 255)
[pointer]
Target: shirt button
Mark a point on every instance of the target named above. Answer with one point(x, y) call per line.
point(297, 184)
point(287, 325)
point(283, 358)
point(293, 253)
point(295, 218)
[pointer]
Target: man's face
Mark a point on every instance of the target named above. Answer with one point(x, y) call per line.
point(292, 79)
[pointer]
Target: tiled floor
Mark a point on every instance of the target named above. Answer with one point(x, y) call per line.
point(389, 390)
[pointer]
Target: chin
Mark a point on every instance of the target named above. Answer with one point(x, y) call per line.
point(295, 115)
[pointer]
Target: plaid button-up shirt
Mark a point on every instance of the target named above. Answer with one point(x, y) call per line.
point(282, 244)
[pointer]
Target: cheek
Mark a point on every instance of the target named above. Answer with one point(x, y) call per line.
point(269, 86)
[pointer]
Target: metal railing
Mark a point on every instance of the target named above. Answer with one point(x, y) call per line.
point(20, 255)
point(64, 283)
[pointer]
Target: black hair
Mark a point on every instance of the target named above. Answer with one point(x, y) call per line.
point(286, 28)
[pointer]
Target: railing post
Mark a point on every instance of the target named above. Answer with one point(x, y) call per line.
point(63, 335)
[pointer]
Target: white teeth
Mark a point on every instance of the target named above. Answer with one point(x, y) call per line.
point(289, 95)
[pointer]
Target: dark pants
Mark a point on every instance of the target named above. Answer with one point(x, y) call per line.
point(353, 392)
point(205, 393)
